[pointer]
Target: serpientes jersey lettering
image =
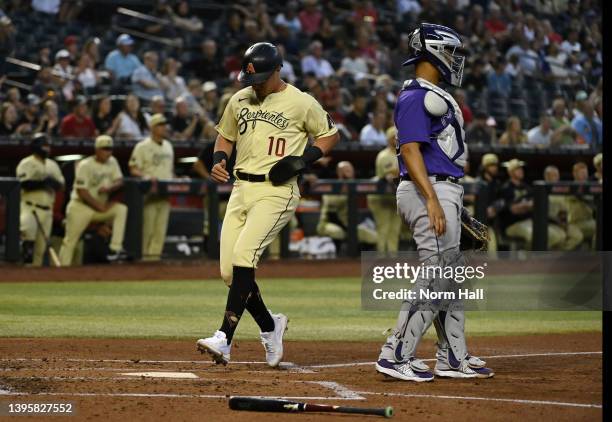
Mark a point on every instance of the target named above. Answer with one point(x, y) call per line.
point(93, 175)
point(31, 168)
point(266, 131)
point(441, 137)
point(154, 159)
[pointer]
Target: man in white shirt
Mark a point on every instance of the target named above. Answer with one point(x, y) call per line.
point(571, 44)
point(145, 80)
point(353, 63)
point(373, 134)
point(315, 63)
point(541, 134)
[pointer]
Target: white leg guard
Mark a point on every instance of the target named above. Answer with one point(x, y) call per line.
point(415, 318)
point(450, 320)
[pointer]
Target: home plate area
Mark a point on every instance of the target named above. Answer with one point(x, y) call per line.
point(537, 377)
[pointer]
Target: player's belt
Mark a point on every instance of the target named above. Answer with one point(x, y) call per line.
point(437, 177)
point(251, 177)
point(42, 207)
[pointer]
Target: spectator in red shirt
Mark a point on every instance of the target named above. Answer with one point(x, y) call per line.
point(553, 37)
point(463, 106)
point(78, 124)
point(494, 24)
point(310, 17)
point(364, 11)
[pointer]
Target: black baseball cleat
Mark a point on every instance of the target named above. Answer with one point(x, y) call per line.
point(117, 256)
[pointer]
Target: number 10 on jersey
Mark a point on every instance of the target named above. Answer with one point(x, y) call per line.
point(276, 146)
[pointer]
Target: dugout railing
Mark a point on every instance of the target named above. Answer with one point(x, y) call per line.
point(134, 192)
point(541, 192)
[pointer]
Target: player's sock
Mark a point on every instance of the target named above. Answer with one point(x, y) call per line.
point(243, 280)
point(257, 308)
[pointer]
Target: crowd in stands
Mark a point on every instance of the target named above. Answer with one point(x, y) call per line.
point(533, 75)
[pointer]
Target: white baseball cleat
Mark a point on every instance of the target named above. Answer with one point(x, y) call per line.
point(273, 341)
point(470, 367)
point(412, 370)
point(216, 346)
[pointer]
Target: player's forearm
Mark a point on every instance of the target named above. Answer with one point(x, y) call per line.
point(223, 145)
point(117, 184)
point(411, 154)
point(86, 197)
point(327, 143)
point(135, 171)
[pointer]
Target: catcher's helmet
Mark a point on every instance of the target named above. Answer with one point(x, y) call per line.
point(259, 62)
point(438, 45)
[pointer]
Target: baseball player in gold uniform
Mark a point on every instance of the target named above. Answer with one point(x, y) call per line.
point(40, 177)
point(96, 177)
point(153, 159)
point(384, 207)
point(269, 123)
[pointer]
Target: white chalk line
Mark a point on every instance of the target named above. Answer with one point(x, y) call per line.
point(524, 355)
point(350, 397)
point(134, 361)
point(496, 399)
point(162, 395)
point(339, 389)
point(286, 365)
point(343, 392)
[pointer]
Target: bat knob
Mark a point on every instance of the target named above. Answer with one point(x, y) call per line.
point(388, 412)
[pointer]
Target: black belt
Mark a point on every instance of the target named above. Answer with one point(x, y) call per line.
point(439, 178)
point(42, 207)
point(250, 177)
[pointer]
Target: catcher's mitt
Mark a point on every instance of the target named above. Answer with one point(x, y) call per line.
point(475, 229)
point(286, 168)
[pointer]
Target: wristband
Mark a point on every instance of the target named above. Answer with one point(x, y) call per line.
point(312, 154)
point(219, 156)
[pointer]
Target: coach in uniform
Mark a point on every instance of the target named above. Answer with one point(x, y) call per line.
point(384, 207)
point(558, 212)
point(582, 207)
point(489, 175)
point(40, 178)
point(333, 218)
point(516, 213)
point(153, 159)
point(96, 177)
point(268, 123)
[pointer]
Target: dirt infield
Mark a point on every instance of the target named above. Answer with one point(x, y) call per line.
point(552, 377)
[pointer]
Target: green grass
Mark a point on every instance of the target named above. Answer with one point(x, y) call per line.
point(321, 309)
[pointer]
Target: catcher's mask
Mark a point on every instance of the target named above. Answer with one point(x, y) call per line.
point(442, 47)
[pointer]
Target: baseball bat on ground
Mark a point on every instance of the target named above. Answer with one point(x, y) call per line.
point(52, 254)
point(277, 405)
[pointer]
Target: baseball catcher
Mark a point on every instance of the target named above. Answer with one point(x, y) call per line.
point(432, 152)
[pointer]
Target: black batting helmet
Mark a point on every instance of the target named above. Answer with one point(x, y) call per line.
point(259, 62)
point(40, 143)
